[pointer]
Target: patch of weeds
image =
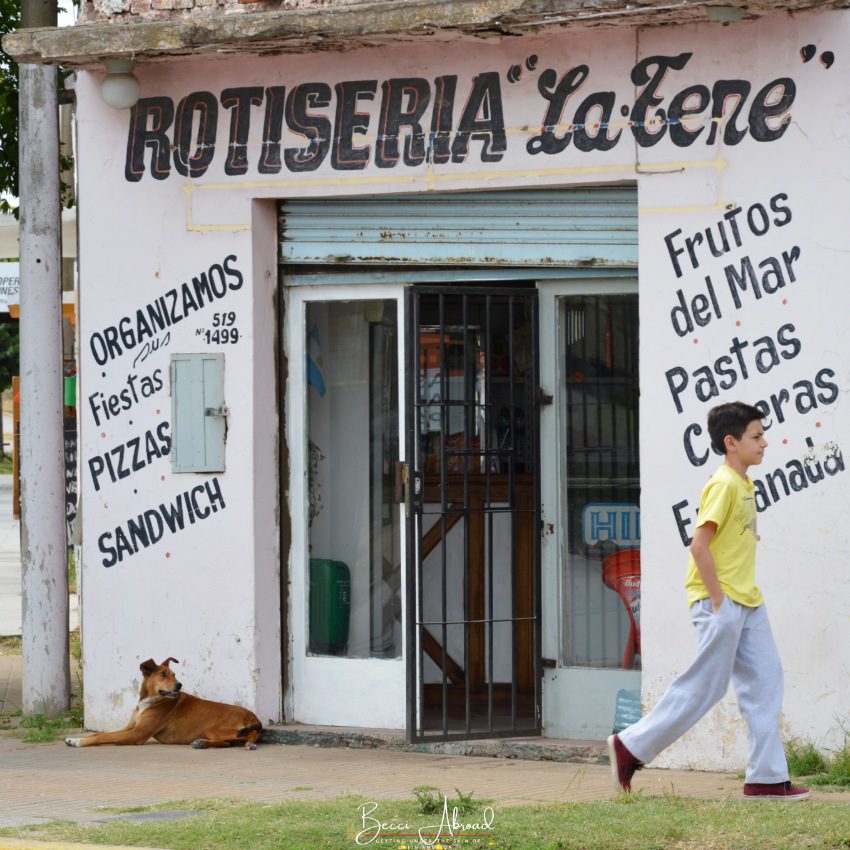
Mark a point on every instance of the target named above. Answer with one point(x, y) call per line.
point(40, 729)
point(432, 801)
point(10, 719)
point(804, 758)
point(628, 798)
point(72, 571)
point(75, 646)
point(840, 772)
point(10, 646)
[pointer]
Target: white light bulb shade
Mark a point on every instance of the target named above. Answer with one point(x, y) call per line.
point(120, 88)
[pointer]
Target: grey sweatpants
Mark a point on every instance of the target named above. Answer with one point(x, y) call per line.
point(736, 645)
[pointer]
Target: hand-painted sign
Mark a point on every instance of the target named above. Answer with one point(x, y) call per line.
point(745, 284)
point(419, 121)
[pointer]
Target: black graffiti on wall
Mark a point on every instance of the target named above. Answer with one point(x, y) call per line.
point(421, 120)
point(749, 278)
point(140, 328)
point(130, 456)
point(128, 397)
point(149, 527)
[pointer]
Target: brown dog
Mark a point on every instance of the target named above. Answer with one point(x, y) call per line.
point(170, 716)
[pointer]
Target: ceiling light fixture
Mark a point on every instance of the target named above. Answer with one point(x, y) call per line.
point(120, 88)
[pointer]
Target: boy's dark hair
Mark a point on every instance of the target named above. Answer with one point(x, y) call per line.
point(732, 418)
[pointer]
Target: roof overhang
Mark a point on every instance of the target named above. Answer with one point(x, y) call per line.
point(354, 24)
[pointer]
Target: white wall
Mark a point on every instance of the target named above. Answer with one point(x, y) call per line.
point(207, 595)
point(804, 542)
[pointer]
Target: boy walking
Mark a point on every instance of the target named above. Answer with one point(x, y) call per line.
point(735, 641)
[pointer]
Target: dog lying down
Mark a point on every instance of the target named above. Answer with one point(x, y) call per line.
point(171, 716)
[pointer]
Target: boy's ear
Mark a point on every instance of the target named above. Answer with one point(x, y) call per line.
point(728, 443)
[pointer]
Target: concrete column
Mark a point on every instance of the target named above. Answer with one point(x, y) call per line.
point(46, 679)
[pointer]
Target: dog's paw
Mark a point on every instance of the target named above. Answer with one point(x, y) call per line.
point(250, 746)
point(73, 742)
point(199, 744)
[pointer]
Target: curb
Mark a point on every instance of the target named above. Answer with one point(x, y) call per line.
point(577, 752)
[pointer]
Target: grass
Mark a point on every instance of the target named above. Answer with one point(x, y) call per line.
point(636, 823)
point(39, 729)
point(6, 465)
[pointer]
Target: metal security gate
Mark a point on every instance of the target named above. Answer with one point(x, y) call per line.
point(472, 496)
point(533, 229)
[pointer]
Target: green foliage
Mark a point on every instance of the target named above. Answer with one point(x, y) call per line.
point(10, 645)
point(804, 759)
point(10, 18)
point(431, 801)
point(9, 352)
point(39, 729)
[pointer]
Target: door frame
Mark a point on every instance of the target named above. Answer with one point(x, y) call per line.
point(575, 699)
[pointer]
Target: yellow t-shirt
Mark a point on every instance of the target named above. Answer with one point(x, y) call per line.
point(729, 501)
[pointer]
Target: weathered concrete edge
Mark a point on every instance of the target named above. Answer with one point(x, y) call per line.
point(491, 748)
point(316, 27)
point(72, 45)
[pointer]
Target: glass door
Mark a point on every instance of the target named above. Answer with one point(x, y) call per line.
point(343, 430)
point(590, 486)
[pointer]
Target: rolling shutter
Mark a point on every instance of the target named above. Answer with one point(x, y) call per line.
point(594, 227)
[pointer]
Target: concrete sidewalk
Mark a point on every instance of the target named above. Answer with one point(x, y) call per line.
point(41, 782)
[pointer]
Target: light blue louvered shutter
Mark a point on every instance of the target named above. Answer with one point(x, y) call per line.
point(198, 414)
point(592, 227)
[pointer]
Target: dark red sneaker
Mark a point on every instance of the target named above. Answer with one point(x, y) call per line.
point(782, 792)
point(623, 763)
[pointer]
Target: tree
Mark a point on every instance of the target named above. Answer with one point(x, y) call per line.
point(10, 18)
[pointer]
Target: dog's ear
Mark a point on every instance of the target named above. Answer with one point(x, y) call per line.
point(168, 660)
point(147, 667)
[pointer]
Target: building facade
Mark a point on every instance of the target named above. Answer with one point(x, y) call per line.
point(396, 353)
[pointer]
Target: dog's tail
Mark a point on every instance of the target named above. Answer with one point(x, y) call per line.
point(255, 729)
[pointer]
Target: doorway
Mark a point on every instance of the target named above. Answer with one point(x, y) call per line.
point(472, 504)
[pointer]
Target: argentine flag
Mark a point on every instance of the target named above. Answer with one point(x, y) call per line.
point(315, 376)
